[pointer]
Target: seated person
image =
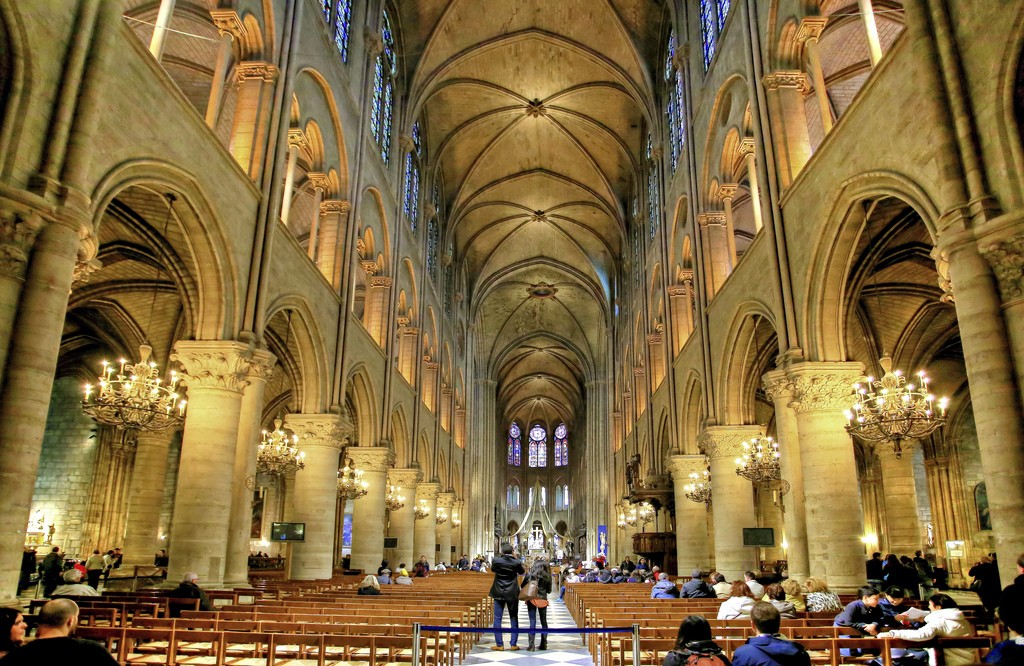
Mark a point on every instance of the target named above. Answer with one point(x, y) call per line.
point(369, 585)
point(893, 603)
point(694, 645)
point(1011, 614)
point(863, 614)
point(776, 596)
point(664, 588)
point(738, 604)
point(188, 588)
point(73, 586)
point(720, 585)
point(570, 577)
point(750, 578)
point(945, 619)
point(794, 594)
point(56, 622)
point(768, 648)
point(384, 577)
point(819, 598)
point(696, 588)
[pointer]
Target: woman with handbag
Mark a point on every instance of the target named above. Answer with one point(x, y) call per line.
point(536, 588)
point(506, 594)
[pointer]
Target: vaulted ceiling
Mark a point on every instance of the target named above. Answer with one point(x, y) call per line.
point(535, 113)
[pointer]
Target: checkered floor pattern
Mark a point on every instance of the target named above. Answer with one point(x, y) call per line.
point(562, 648)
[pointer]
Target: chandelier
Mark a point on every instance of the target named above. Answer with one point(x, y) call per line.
point(891, 410)
point(456, 521)
point(134, 397)
point(645, 513)
point(441, 516)
point(278, 453)
point(760, 460)
point(699, 488)
point(421, 510)
point(350, 482)
point(393, 499)
point(627, 516)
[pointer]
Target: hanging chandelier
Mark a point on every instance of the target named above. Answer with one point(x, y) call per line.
point(627, 516)
point(699, 488)
point(760, 460)
point(134, 396)
point(891, 410)
point(456, 521)
point(645, 513)
point(441, 516)
point(421, 510)
point(350, 482)
point(278, 453)
point(393, 499)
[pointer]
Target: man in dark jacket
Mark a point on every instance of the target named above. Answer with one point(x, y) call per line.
point(188, 588)
point(864, 614)
point(505, 591)
point(696, 588)
point(51, 570)
point(874, 569)
point(768, 648)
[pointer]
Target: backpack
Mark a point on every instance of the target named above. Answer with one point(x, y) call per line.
point(687, 658)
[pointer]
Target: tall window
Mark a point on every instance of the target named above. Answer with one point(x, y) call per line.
point(515, 446)
point(653, 198)
point(674, 103)
point(342, 26)
point(561, 446)
point(538, 447)
point(448, 288)
point(713, 14)
point(411, 205)
point(384, 71)
point(325, 7)
point(723, 12)
point(512, 496)
point(433, 231)
point(561, 497)
point(543, 496)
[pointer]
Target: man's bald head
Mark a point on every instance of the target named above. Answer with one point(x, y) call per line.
point(56, 613)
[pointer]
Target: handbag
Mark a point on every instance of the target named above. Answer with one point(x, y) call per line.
point(539, 602)
point(529, 591)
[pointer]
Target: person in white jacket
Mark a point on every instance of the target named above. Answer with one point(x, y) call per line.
point(739, 603)
point(945, 619)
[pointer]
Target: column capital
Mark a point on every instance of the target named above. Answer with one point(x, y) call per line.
point(445, 500)
point(20, 224)
point(787, 79)
point(323, 430)
point(381, 281)
point(747, 147)
point(405, 143)
point(228, 22)
point(824, 386)
point(678, 291)
point(261, 365)
point(727, 191)
point(334, 206)
point(427, 491)
point(297, 137)
point(1007, 260)
point(810, 28)
point(373, 42)
point(727, 441)
point(319, 181)
point(244, 71)
point(371, 458)
point(214, 364)
point(682, 467)
point(404, 478)
point(945, 283)
point(778, 386)
point(713, 217)
point(654, 339)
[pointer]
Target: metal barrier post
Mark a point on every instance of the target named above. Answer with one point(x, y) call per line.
point(636, 644)
point(415, 643)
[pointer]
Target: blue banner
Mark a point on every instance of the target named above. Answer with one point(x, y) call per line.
point(602, 540)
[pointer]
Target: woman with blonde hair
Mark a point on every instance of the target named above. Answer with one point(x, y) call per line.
point(369, 585)
point(794, 594)
point(819, 598)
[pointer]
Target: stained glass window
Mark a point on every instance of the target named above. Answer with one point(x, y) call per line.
point(565, 496)
point(707, 30)
point(515, 446)
point(382, 107)
point(538, 447)
point(512, 496)
point(342, 25)
point(543, 496)
point(433, 232)
point(653, 207)
point(723, 12)
point(325, 7)
point(411, 205)
point(561, 446)
point(448, 288)
point(674, 104)
point(561, 497)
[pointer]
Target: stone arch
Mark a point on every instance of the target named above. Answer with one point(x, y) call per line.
point(750, 347)
point(425, 459)
point(15, 83)
point(1010, 99)
point(400, 438)
point(665, 444)
point(442, 470)
point(727, 111)
point(335, 151)
point(373, 215)
point(216, 290)
point(307, 340)
point(824, 320)
point(693, 414)
point(360, 402)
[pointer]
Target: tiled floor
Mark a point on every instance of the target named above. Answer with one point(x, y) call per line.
point(562, 648)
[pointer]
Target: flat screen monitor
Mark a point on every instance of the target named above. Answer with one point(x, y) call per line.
point(391, 542)
point(288, 531)
point(758, 536)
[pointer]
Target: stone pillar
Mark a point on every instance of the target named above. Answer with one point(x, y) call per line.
point(404, 520)
point(215, 372)
point(146, 497)
point(31, 365)
point(728, 193)
point(834, 523)
point(457, 512)
point(425, 537)
point(656, 354)
point(785, 92)
point(229, 24)
point(994, 394)
point(368, 515)
point(716, 249)
point(748, 150)
point(315, 494)
point(296, 140)
point(163, 22)
point(255, 83)
point(691, 517)
point(779, 390)
point(809, 33)
point(867, 12)
point(334, 214)
point(321, 184)
point(481, 468)
point(444, 532)
point(408, 350)
point(681, 301)
point(236, 571)
point(732, 497)
point(902, 528)
point(947, 513)
point(375, 315)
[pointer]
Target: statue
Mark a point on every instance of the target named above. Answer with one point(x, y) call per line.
point(633, 472)
point(49, 533)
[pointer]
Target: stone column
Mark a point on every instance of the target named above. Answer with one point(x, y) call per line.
point(403, 521)
point(728, 193)
point(31, 365)
point(321, 184)
point(902, 528)
point(656, 353)
point(785, 92)
point(375, 315)
point(691, 517)
point(947, 512)
point(481, 468)
point(19, 226)
point(255, 83)
point(809, 33)
point(732, 497)
point(236, 571)
point(748, 150)
point(296, 140)
point(716, 249)
point(315, 494)
point(834, 523)
point(215, 372)
point(457, 512)
point(163, 22)
point(681, 300)
point(332, 233)
point(779, 390)
point(867, 12)
point(444, 532)
point(368, 515)
point(425, 538)
point(146, 497)
point(229, 24)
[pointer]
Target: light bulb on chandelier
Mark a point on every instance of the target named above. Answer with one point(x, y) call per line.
point(441, 516)
point(421, 510)
point(699, 488)
point(278, 453)
point(393, 498)
point(350, 482)
point(760, 461)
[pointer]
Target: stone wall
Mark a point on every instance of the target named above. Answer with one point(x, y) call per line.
point(66, 467)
